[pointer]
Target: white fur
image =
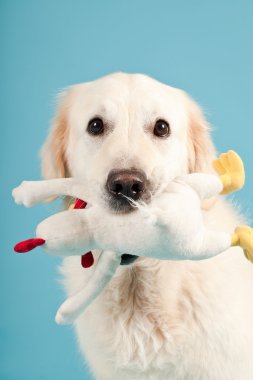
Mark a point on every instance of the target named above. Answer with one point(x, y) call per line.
point(156, 320)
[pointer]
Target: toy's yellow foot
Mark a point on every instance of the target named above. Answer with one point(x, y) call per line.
point(243, 237)
point(231, 170)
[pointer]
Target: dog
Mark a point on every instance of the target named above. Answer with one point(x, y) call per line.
point(156, 320)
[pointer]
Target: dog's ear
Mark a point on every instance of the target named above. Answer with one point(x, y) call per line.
point(53, 152)
point(201, 150)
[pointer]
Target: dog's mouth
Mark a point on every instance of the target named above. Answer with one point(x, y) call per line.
point(121, 205)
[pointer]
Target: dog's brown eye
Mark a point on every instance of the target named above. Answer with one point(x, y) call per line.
point(161, 129)
point(95, 127)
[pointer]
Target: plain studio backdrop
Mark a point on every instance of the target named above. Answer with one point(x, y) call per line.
point(203, 47)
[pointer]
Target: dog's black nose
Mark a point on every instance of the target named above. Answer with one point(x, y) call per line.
point(130, 183)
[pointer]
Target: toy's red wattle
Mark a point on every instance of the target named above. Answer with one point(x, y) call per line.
point(80, 204)
point(28, 245)
point(87, 260)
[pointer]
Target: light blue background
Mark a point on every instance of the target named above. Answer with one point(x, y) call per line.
point(204, 47)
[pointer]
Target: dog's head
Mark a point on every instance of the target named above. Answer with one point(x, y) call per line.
point(126, 136)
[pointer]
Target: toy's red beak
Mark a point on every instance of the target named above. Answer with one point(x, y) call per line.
point(28, 245)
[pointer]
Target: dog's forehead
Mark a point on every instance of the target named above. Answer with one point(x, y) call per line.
point(126, 92)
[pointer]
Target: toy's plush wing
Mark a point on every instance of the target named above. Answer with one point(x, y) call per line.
point(28, 193)
point(87, 260)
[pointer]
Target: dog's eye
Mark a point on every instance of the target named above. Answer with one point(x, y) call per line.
point(161, 129)
point(95, 127)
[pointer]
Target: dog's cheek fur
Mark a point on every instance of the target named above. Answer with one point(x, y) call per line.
point(201, 150)
point(53, 153)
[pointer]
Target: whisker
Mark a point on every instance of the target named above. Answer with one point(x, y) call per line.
point(140, 204)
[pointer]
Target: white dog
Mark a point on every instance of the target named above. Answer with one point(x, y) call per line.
point(156, 320)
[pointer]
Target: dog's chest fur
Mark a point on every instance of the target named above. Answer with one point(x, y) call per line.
point(161, 320)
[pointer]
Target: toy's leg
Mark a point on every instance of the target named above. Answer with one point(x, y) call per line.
point(208, 243)
point(231, 170)
point(32, 192)
point(243, 237)
point(75, 305)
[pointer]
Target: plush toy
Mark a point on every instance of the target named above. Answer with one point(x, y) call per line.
point(170, 227)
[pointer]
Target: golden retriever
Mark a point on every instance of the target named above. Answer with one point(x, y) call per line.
point(156, 320)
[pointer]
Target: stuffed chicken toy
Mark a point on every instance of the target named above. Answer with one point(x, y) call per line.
point(169, 227)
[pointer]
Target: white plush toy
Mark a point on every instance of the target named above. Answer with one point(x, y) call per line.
point(172, 226)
